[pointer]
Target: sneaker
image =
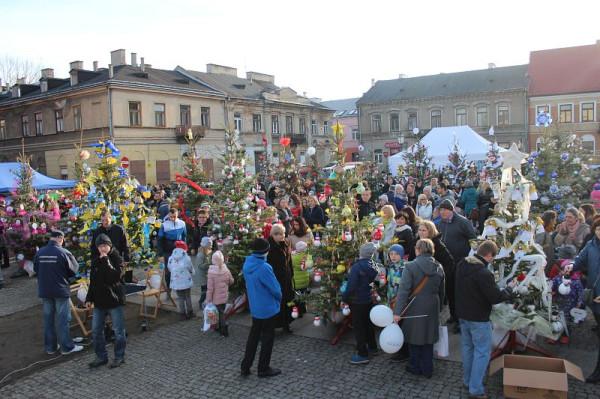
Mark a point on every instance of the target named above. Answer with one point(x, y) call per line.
point(97, 363)
point(245, 372)
point(116, 363)
point(76, 348)
point(53, 352)
point(358, 359)
point(270, 372)
point(78, 340)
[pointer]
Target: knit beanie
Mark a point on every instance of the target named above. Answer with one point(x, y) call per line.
point(447, 204)
point(397, 248)
point(367, 250)
point(103, 239)
point(182, 245)
point(218, 259)
point(301, 246)
point(206, 242)
point(260, 246)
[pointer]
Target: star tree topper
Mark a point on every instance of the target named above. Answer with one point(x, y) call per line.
point(513, 158)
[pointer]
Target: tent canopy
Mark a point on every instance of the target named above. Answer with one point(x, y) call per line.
point(8, 180)
point(440, 141)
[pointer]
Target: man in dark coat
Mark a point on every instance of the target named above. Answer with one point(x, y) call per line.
point(476, 292)
point(365, 205)
point(54, 266)
point(117, 237)
point(280, 259)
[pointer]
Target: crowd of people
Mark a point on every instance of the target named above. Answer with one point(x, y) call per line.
point(424, 247)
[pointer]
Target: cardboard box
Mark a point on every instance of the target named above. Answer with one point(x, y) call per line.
point(535, 377)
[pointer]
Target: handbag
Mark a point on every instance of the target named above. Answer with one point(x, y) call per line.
point(442, 348)
point(588, 293)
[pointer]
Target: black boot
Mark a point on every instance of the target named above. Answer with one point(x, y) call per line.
point(225, 331)
point(595, 376)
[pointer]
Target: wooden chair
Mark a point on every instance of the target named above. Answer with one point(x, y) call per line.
point(80, 315)
point(153, 292)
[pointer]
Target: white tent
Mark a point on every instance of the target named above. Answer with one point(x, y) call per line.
point(440, 141)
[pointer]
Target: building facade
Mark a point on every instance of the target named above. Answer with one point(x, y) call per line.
point(346, 114)
point(147, 112)
point(564, 82)
point(393, 114)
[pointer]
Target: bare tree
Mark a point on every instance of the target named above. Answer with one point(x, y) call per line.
point(14, 68)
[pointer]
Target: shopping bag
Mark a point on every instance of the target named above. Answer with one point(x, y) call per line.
point(211, 316)
point(441, 347)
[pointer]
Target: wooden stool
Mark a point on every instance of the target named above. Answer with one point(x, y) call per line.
point(153, 292)
point(80, 315)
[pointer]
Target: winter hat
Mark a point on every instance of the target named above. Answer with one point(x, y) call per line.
point(567, 252)
point(206, 242)
point(58, 233)
point(397, 248)
point(260, 246)
point(261, 203)
point(383, 198)
point(218, 259)
point(468, 183)
point(301, 246)
point(103, 239)
point(447, 204)
point(367, 250)
point(182, 245)
point(205, 205)
point(597, 186)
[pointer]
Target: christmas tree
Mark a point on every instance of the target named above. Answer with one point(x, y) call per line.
point(337, 244)
point(239, 223)
point(457, 170)
point(519, 259)
point(559, 170)
point(417, 162)
point(193, 193)
point(493, 166)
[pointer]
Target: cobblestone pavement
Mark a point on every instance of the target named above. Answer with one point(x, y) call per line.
point(18, 294)
point(178, 361)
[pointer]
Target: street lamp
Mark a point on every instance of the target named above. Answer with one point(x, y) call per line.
point(401, 141)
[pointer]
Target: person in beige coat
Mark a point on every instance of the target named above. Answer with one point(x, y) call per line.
point(217, 293)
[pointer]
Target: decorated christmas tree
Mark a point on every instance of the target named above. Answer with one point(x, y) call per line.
point(520, 259)
point(193, 180)
point(457, 169)
point(492, 168)
point(239, 223)
point(336, 244)
point(559, 170)
point(417, 162)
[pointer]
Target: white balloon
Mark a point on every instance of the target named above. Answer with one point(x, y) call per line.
point(381, 316)
point(310, 151)
point(391, 338)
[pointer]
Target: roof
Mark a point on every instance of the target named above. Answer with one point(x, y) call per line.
point(344, 107)
point(448, 84)
point(122, 73)
point(565, 70)
point(235, 86)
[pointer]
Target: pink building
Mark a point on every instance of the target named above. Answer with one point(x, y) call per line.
point(346, 114)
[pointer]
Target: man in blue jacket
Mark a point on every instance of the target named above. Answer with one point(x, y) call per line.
point(172, 230)
point(264, 296)
point(54, 265)
point(358, 295)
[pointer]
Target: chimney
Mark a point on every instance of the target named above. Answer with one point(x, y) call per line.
point(372, 82)
point(21, 81)
point(95, 66)
point(47, 73)
point(260, 77)
point(142, 65)
point(15, 91)
point(402, 76)
point(134, 59)
point(221, 69)
point(491, 65)
point(303, 94)
point(76, 65)
point(111, 71)
point(117, 57)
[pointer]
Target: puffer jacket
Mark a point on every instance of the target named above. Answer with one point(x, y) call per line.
point(181, 268)
point(588, 261)
point(219, 280)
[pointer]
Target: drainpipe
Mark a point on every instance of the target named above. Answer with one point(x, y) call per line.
point(110, 117)
point(526, 141)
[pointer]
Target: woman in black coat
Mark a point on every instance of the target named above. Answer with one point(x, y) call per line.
point(313, 213)
point(107, 294)
point(485, 204)
point(280, 259)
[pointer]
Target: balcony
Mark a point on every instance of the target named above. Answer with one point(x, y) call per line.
point(182, 130)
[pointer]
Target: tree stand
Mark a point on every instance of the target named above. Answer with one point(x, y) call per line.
point(510, 344)
point(342, 329)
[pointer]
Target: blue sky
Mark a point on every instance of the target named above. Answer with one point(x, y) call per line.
point(330, 49)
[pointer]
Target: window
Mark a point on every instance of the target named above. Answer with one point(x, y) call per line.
point(25, 125)
point(289, 124)
point(503, 115)
point(77, 122)
point(64, 172)
point(375, 123)
point(355, 134)
point(325, 127)
point(185, 115)
point(587, 112)
point(378, 156)
point(412, 120)
point(461, 116)
point(39, 124)
point(313, 127)
point(237, 121)
point(275, 124)
point(394, 122)
point(589, 143)
point(565, 113)
point(60, 121)
point(542, 108)
point(2, 129)
point(135, 111)
point(256, 123)
point(482, 115)
point(159, 115)
point(302, 125)
point(436, 118)
point(204, 116)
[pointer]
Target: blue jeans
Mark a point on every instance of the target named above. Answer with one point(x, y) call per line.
point(118, 325)
point(57, 316)
point(476, 342)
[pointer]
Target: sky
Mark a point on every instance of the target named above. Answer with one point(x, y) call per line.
point(329, 49)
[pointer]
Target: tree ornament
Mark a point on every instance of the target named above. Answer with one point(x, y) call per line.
point(346, 310)
point(317, 321)
point(295, 312)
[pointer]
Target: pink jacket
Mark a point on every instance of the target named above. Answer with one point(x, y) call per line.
point(219, 280)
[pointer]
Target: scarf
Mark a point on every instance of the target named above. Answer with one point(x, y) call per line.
point(573, 230)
